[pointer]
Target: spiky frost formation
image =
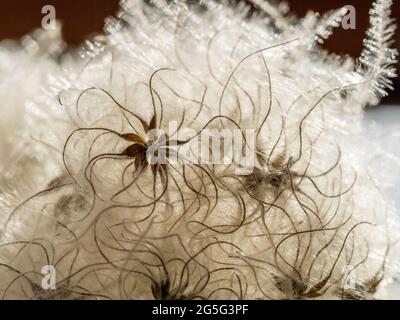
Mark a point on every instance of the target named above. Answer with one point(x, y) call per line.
point(378, 58)
point(308, 221)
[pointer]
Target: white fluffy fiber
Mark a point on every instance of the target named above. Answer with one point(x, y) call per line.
point(311, 222)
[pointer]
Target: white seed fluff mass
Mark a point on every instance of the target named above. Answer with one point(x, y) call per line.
point(196, 150)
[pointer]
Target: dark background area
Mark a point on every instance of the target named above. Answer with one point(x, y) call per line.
point(81, 18)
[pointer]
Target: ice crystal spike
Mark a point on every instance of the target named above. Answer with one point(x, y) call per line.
point(275, 13)
point(378, 58)
point(327, 23)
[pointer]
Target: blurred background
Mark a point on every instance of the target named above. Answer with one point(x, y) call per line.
point(81, 18)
